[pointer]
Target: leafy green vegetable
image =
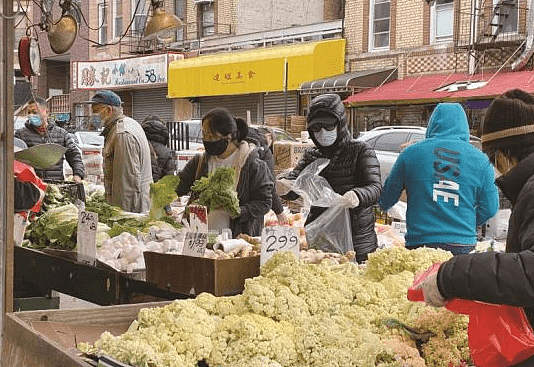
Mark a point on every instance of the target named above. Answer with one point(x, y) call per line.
point(53, 198)
point(96, 202)
point(56, 228)
point(162, 193)
point(216, 190)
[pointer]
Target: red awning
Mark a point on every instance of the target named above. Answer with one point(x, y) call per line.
point(423, 89)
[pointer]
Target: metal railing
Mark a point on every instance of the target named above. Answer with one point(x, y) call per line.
point(59, 104)
point(479, 40)
point(178, 135)
point(295, 34)
point(190, 34)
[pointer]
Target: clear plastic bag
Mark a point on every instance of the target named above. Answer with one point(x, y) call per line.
point(314, 189)
point(331, 231)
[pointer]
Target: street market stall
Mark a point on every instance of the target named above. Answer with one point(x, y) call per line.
point(294, 314)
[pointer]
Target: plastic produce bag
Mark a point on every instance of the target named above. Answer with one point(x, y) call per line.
point(314, 189)
point(331, 231)
point(499, 335)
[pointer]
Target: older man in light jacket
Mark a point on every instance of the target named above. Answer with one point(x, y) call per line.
point(127, 163)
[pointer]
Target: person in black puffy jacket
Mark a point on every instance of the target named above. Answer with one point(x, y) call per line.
point(266, 155)
point(38, 130)
point(496, 277)
point(158, 137)
point(353, 171)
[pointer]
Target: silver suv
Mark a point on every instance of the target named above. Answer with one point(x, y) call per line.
point(389, 141)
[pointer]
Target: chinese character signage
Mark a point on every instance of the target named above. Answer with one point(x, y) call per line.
point(129, 72)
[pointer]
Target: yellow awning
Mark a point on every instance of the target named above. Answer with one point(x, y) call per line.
point(256, 71)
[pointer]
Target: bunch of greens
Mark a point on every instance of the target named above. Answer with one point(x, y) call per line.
point(54, 197)
point(134, 224)
point(96, 202)
point(56, 228)
point(216, 190)
point(162, 193)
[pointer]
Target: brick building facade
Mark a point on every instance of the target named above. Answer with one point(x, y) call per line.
point(427, 39)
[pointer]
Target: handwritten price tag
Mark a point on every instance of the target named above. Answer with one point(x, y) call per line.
point(279, 238)
point(195, 244)
point(86, 237)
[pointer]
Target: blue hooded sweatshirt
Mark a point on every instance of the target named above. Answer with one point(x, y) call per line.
point(450, 184)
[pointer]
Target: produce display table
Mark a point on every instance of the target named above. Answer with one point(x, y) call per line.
point(47, 338)
point(37, 273)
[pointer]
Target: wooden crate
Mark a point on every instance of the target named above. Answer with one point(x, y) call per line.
point(277, 121)
point(46, 338)
point(298, 124)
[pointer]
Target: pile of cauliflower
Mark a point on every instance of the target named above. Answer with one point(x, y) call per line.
point(299, 314)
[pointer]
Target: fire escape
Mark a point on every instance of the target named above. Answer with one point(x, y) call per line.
point(496, 34)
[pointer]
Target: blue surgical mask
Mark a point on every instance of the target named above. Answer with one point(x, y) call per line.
point(35, 120)
point(326, 138)
point(97, 120)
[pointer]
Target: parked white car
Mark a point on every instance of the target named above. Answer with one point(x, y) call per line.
point(389, 141)
point(90, 144)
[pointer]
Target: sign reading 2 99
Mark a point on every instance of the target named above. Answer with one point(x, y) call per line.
point(279, 238)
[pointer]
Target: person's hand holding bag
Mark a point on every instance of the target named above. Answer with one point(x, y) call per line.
point(350, 199)
point(431, 292)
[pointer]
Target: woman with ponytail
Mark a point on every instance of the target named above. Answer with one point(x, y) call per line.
point(225, 146)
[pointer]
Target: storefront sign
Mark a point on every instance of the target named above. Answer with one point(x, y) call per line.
point(120, 73)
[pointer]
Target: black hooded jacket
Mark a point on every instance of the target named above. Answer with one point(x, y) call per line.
point(501, 278)
point(254, 136)
point(158, 137)
point(353, 166)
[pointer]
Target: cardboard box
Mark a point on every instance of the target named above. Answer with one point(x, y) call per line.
point(194, 275)
point(287, 153)
point(48, 338)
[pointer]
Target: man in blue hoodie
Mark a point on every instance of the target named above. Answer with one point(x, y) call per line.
point(450, 185)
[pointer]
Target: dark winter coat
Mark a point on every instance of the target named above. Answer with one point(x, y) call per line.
point(267, 156)
point(501, 278)
point(56, 135)
point(158, 136)
point(165, 160)
point(254, 191)
point(353, 166)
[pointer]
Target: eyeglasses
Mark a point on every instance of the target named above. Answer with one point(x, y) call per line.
point(317, 127)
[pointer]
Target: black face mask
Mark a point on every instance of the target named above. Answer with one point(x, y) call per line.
point(215, 147)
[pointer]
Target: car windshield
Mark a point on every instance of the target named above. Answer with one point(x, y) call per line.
point(91, 138)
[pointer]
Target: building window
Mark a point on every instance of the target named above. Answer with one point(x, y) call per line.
point(140, 15)
point(206, 16)
point(102, 24)
point(179, 11)
point(117, 18)
point(379, 24)
point(441, 21)
point(21, 21)
point(505, 13)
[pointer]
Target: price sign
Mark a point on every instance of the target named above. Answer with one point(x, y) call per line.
point(195, 244)
point(279, 238)
point(399, 227)
point(86, 239)
point(198, 218)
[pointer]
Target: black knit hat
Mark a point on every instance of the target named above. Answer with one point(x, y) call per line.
point(509, 121)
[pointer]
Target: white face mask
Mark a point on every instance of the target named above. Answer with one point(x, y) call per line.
point(326, 138)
